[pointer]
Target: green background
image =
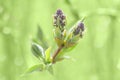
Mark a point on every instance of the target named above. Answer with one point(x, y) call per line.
point(96, 57)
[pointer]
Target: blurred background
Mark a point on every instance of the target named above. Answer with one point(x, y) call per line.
point(96, 57)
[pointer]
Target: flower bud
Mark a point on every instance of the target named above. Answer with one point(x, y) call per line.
point(59, 20)
point(59, 23)
point(79, 29)
point(74, 35)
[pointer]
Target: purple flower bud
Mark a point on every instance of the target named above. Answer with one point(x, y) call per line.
point(59, 12)
point(76, 31)
point(81, 26)
point(79, 29)
point(63, 17)
point(59, 19)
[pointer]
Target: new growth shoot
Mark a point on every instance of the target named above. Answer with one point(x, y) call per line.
point(65, 39)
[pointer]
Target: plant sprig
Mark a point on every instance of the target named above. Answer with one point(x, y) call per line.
point(66, 40)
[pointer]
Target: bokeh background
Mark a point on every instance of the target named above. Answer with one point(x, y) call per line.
point(96, 57)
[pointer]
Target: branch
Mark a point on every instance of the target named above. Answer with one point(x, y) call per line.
point(56, 53)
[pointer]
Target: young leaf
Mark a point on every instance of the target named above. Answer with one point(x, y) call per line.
point(37, 51)
point(50, 69)
point(47, 55)
point(64, 51)
point(41, 38)
point(39, 33)
point(69, 48)
point(64, 58)
point(38, 67)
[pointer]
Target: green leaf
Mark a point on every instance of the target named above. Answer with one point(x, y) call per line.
point(39, 33)
point(69, 48)
point(64, 58)
point(37, 51)
point(50, 69)
point(63, 52)
point(47, 55)
point(38, 67)
point(41, 38)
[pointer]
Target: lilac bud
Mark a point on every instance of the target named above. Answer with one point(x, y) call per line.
point(81, 26)
point(59, 12)
point(63, 17)
point(79, 29)
point(76, 31)
point(59, 19)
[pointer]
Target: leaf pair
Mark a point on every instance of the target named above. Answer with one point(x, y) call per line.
point(39, 53)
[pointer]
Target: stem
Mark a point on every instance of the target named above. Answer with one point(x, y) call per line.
point(56, 53)
point(83, 19)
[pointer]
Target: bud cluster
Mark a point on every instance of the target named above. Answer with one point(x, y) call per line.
point(66, 40)
point(79, 29)
point(61, 36)
point(59, 19)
